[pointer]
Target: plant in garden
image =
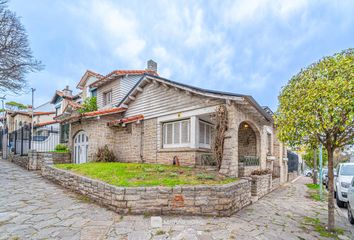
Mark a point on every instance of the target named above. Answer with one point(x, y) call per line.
point(104, 154)
point(317, 107)
point(261, 172)
point(89, 105)
point(61, 148)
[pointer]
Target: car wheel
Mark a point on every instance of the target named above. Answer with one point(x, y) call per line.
point(339, 202)
point(350, 215)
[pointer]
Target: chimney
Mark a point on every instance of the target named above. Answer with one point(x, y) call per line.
point(151, 65)
point(67, 92)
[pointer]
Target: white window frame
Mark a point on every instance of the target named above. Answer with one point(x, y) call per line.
point(180, 144)
point(105, 94)
point(205, 145)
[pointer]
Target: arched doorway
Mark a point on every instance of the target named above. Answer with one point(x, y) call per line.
point(248, 145)
point(80, 147)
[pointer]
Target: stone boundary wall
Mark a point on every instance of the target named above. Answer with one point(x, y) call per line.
point(211, 200)
point(36, 160)
point(261, 185)
point(292, 176)
point(19, 160)
point(245, 171)
point(275, 183)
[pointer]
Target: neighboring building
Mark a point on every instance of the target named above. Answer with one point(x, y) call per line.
point(145, 118)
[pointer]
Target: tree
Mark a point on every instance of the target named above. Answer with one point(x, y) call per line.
point(89, 105)
point(15, 106)
point(317, 106)
point(309, 157)
point(16, 58)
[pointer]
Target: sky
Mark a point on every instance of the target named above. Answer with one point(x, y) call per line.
point(243, 46)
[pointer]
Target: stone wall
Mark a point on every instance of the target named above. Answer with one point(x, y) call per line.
point(275, 183)
point(261, 185)
point(22, 161)
point(245, 171)
point(213, 200)
point(36, 160)
point(292, 176)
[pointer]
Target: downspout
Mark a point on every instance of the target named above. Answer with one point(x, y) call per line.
point(142, 141)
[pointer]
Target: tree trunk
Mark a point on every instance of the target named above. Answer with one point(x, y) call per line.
point(314, 177)
point(331, 190)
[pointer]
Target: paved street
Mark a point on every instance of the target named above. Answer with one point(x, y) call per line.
point(34, 208)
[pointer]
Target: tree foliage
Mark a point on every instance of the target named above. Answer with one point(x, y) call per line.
point(16, 58)
point(309, 157)
point(89, 105)
point(317, 106)
point(15, 106)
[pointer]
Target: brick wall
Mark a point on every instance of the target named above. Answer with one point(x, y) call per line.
point(215, 200)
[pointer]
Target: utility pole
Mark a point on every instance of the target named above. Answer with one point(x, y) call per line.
point(32, 89)
point(3, 129)
point(315, 166)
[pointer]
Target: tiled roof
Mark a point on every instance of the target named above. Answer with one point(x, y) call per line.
point(104, 112)
point(107, 78)
point(42, 113)
point(125, 120)
point(89, 73)
point(45, 123)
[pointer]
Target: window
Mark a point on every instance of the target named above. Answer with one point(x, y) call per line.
point(64, 133)
point(204, 134)
point(269, 144)
point(176, 134)
point(93, 92)
point(107, 98)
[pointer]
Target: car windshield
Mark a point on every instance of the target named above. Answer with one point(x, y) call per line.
point(347, 170)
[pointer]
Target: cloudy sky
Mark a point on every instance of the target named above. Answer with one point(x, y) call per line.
point(247, 46)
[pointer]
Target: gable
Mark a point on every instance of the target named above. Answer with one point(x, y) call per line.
point(157, 100)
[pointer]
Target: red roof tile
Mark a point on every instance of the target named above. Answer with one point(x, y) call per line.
point(104, 112)
point(45, 123)
point(125, 120)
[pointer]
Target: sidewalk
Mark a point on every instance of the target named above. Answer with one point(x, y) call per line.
point(34, 208)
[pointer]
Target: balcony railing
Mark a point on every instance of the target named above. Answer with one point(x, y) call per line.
point(249, 160)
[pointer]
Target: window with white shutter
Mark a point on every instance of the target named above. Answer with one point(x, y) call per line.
point(176, 134)
point(204, 134)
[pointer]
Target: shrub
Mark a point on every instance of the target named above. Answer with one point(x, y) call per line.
point(89, 105)
point(261, 172)
point(205, 176)
point(61, 148)
point(104, 154)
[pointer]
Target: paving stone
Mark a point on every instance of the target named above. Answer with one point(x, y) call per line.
point(34, 208)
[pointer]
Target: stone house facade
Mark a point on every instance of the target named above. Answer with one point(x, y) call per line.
point(148, 119)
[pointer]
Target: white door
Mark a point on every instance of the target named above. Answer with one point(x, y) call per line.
point(80, 147)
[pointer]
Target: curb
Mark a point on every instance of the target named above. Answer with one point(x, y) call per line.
point(296, 179)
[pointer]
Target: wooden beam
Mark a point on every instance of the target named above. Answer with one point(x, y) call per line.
point(139, 89)
point(131, 97)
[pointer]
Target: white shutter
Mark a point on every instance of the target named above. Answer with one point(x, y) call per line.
point(185, 132)
point(207, 134)
point(176, 132)
point(169, 129)
point(201, 132)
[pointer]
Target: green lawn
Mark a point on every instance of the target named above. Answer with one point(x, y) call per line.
point(138, 174)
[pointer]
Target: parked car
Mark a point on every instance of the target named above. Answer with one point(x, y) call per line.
point(326, 179)
point(308, 172)
point(343, 178)
point(324, 175)
point(351, 202)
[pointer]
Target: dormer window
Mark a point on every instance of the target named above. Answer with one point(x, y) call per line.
point(107, 97)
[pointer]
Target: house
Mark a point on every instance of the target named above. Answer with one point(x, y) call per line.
point(145, 118)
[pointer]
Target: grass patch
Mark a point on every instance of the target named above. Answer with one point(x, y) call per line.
point(314, 192)
point(317, 226)
point(313, 186)
point(139, 174)
point(160, 232)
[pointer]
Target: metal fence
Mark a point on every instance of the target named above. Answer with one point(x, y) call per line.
point(44, 139)
point(249, 160)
